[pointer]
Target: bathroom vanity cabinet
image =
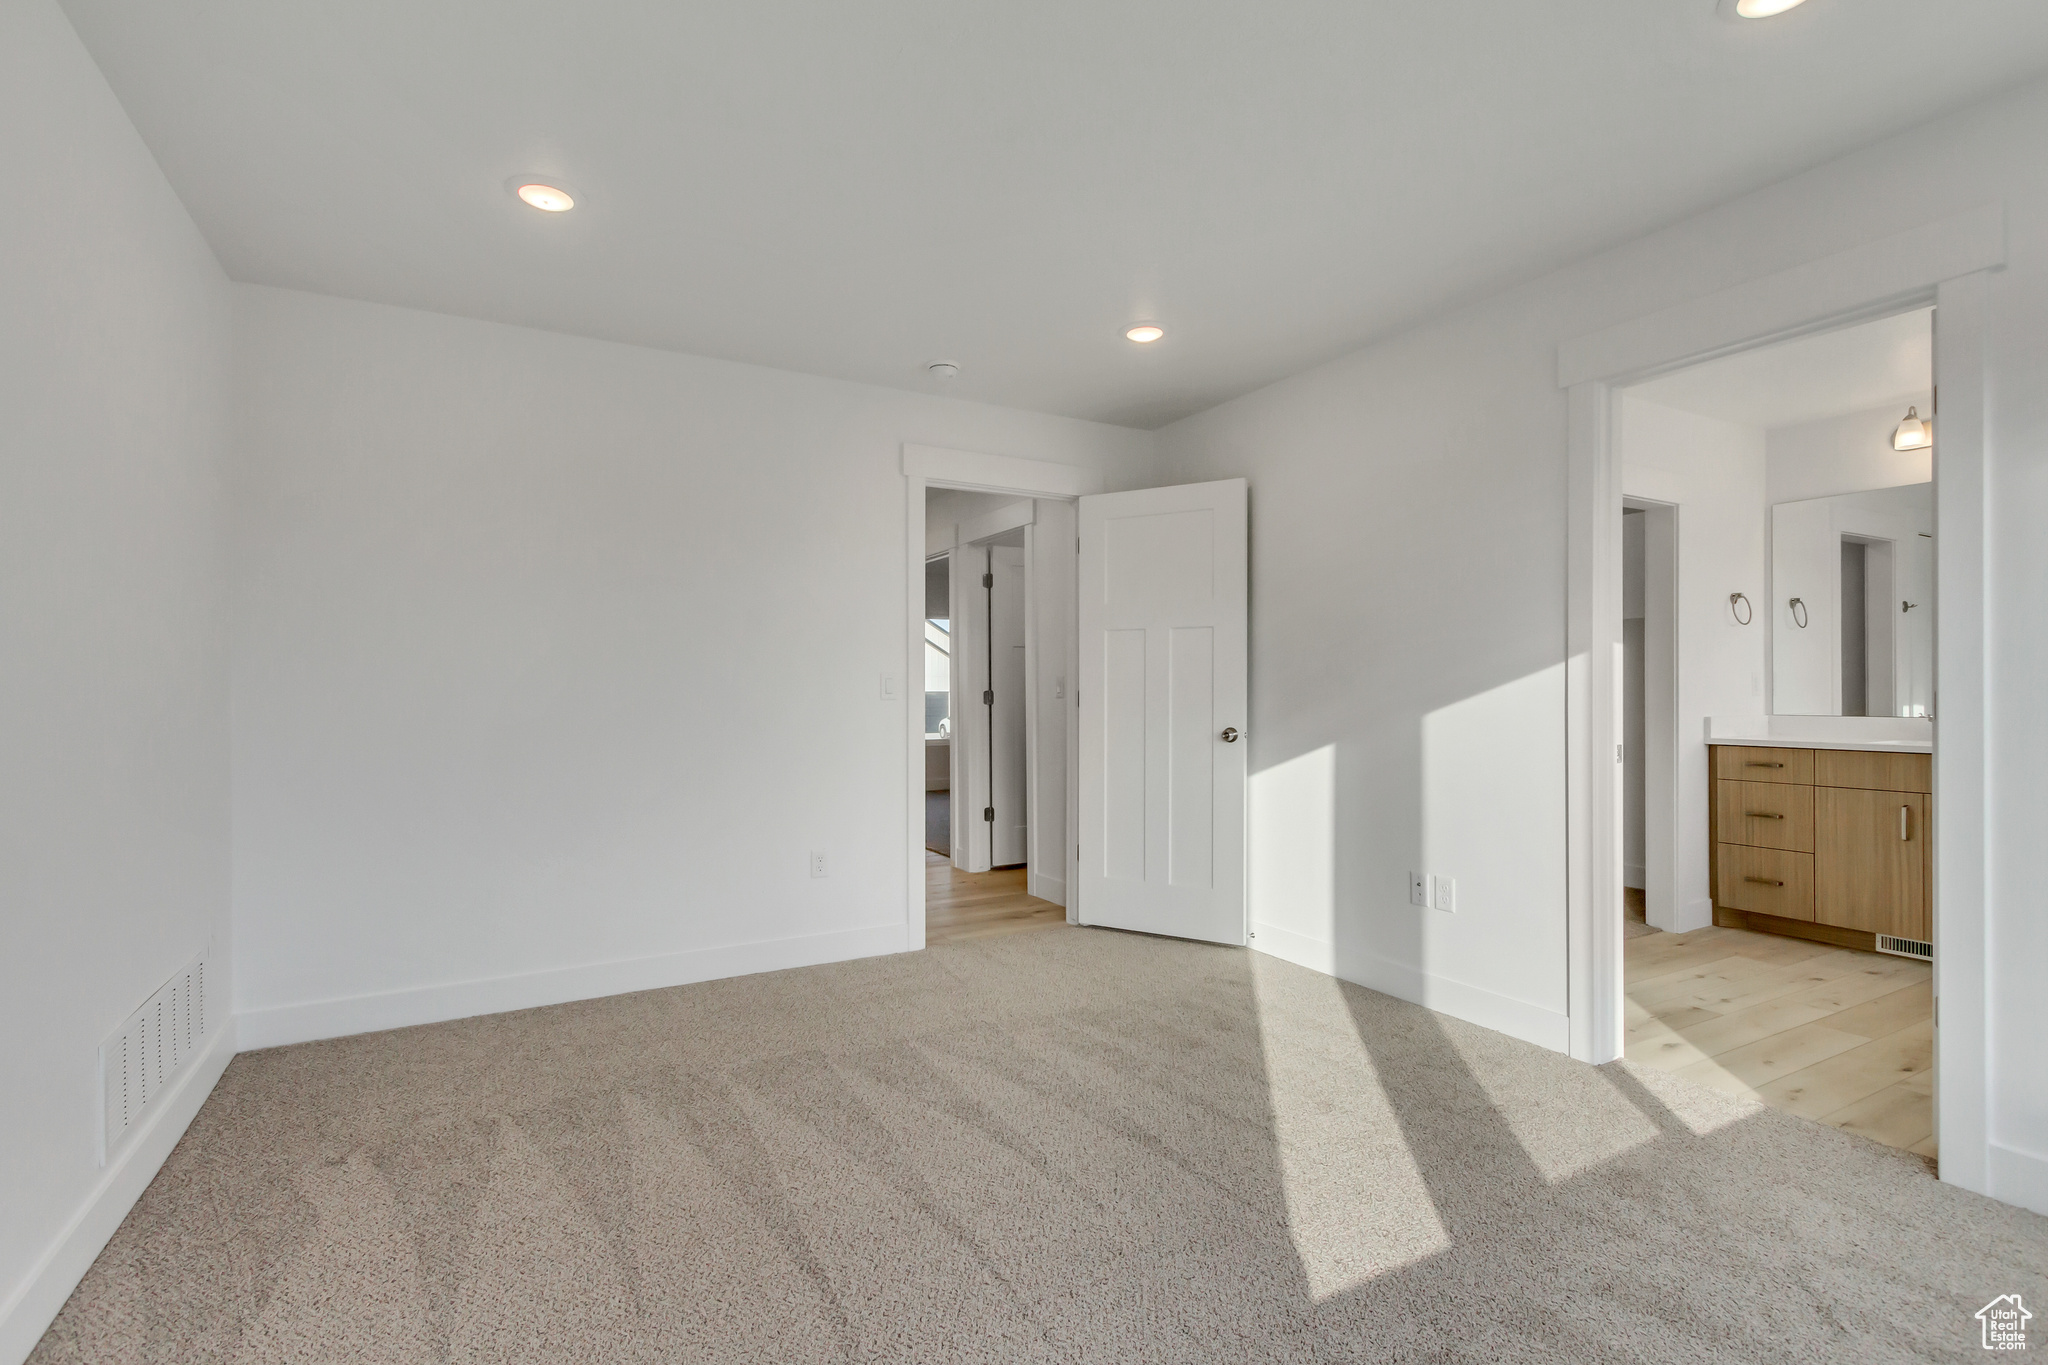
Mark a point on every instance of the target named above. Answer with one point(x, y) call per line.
point(1830, 844)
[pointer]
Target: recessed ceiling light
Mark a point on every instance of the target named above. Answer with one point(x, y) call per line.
point(942, 369)
point(1145, 333)
point(548, 198)
point(1764, 9)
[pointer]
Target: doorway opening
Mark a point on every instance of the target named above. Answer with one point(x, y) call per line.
point(1776, 536)
point(996, 648)
point(1133, 767)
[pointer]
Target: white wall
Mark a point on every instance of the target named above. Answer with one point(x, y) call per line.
point(1713, 472)
point(1843, 455)
point(1407, 681)
point(946, 508)
point(1408, 555)
point(113, 655)
point(499, 725)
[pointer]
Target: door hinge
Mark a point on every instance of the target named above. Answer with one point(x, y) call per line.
point(988, 813)
point(988, 580)
point(988, 699)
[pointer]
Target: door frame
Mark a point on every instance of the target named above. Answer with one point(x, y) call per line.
point(1946, 264)
point(972, 849)
point(926, 467)
point(1661, 664)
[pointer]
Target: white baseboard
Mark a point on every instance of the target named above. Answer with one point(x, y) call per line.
point(1046, 888)
point(1690, 915)
point(27, 1312)
point(2019, 1177)
point(1502, 1014)
point(282, 1024)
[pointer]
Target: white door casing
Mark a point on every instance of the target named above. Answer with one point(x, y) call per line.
point(1008, 834)
point(1163, 626)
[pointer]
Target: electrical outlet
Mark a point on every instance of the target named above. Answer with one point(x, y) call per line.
point(1444, 893)
point(817, 864)
point(1419, 889)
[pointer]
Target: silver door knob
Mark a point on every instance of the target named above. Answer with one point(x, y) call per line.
point(1230, 734)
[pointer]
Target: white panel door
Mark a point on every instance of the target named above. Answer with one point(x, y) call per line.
point(1162, 711)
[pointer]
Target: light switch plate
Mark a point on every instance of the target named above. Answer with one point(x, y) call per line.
point(888, 687)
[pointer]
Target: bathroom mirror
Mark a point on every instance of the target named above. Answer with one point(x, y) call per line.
point(1852, 604)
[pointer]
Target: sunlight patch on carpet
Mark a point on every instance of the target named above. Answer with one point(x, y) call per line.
point(1357, 1204)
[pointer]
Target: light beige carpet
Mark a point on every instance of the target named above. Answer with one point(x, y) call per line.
point(1067, 1145)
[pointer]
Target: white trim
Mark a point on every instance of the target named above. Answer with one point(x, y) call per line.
point(1503, 1014)
point(285, 1024)
point(1593, 729)
point(1664, 903)
point(1962, 749)
point(2018, 1177)
point(1942, 262)
point(913, 710)
point(926, 467)
point(1864, 281)
point(998, 473)
point(33, 1305)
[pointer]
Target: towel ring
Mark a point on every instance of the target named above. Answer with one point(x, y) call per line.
point(1738, 605)
point(1799, 616)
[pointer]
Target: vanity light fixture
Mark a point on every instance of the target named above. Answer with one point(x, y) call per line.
point(546, 198)
point(1145, 333)
point(1912, 433)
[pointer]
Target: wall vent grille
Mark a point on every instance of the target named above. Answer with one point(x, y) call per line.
point(147, 1054)
point(1905, 947)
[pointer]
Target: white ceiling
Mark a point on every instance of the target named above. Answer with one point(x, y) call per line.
point(1855, 369)
point(860, 189)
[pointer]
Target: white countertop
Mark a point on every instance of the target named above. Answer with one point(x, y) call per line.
point(1869, 746)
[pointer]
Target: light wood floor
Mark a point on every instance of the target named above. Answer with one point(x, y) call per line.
point(964, 905)
point(1828, 1033)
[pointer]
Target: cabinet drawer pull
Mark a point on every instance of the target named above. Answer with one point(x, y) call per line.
point(1763, 881)
point(1763, 815)
point(1753, 763)
point(1904, 835)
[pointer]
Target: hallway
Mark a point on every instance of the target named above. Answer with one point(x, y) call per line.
point(959, 906)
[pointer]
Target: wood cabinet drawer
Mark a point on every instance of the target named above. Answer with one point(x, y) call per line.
point(1874, 771)
point(1764, 815)
point(1870, 857)
point(1746, 764)
point(1765, 881)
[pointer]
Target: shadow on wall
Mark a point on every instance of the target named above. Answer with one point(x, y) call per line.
point(1336, 830)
